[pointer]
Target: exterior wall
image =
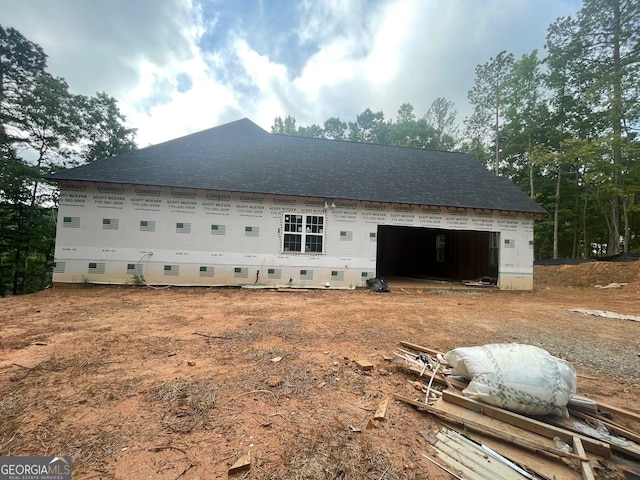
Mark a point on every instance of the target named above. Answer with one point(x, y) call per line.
point(172, 236)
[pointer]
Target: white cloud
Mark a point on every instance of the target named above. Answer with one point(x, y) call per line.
point(350, 55)
point(205, 104)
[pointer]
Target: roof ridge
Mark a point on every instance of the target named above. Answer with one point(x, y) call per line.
point(345, 140)
point(241, 156)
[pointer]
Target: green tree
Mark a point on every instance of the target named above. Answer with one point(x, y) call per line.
point(408, 130)
point(369, 127)
point(21, 61)
point(441, 117)
point(103, 128)
point(284, 127)
point(525, 115)
point(22, 81)
point(50, 128)
point(312, 131)
point(608, 37)
point(572, 127)
point(487, 99)
point(335, 129)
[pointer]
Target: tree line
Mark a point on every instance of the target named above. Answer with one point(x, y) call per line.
point(43, 127)
point(563, 127)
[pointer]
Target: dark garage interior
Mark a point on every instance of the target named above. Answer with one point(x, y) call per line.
point(434, 253)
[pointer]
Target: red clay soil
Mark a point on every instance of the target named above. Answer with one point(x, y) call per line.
point(181, 382)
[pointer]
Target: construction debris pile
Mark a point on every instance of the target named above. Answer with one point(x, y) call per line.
point(510, 411)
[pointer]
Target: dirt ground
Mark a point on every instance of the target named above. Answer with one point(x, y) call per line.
point(176, 383)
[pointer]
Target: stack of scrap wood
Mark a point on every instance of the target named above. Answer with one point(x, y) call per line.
point(596, 441)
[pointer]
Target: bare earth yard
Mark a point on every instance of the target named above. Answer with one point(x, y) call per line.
point(181, 382)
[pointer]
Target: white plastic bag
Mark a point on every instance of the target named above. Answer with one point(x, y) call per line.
point(521, 378)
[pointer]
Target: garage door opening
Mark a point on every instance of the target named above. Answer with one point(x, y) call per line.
point(439, 254)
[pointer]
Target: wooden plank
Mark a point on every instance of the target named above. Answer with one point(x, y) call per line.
point(473, 456)
point(443, 467)
point(530, 460)
point(441, 379)
point(242, 464)
point(429, 438)
point(381, 411)
point(587, 473)
point(531, 425)
point(491, 430)
point(364, 364)
point(628, 414)
point(604, 407)
point(458, 465)
point(420, 348)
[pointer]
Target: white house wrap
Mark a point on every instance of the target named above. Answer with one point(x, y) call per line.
point(236, 205)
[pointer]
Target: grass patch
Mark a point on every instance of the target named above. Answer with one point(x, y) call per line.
point(335, 453)
point(96, 447)
point(189, 402)
point(12, 413)
point(298, 381)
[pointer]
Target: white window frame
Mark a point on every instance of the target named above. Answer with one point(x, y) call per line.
point(304, 230)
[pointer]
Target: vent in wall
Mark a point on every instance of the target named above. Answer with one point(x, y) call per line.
point(147, 226)
point(251, 231)
point(239, 272)
point(206, 271)
point(110, 223)
point(306, 274)
point(71, 222)
point(59, 267)
point(274, 273)
point(183, 227)
point(96, 267)
point(337, 275)
point(171, 270)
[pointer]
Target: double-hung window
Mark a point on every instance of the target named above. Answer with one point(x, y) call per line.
point(303, 233)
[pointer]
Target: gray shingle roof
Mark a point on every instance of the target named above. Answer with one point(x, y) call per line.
point(241, 157)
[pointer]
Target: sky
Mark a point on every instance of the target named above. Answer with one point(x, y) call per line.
point(181, 66)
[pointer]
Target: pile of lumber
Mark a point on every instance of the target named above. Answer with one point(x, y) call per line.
point(481, 441)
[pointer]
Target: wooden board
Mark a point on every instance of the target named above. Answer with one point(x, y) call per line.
point(364, 364)
point(603, 407)
point(439, 378)
point(490, 426)
point(526, 423)
point(587, 473)
point(533, 462)
point(381, 411)
point(525, 457)
point(242, 464)
point(477, 463)
point(420, 348)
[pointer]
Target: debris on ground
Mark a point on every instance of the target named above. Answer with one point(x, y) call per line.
point(481, 282)
point(378, 285)
point(606, 314)
point(242, 464)
point(480, 440)
point(521, 378)
point(612, 285)
point(113, 389)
